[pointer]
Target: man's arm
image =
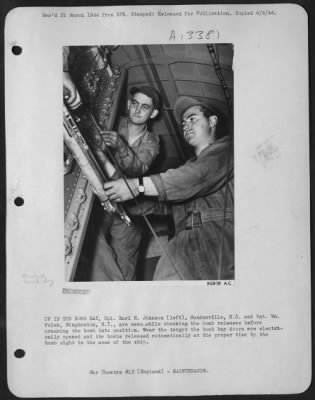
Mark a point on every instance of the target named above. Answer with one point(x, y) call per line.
point(199, 178)
point(127, 189)
point(132, 162)
point(71, 94)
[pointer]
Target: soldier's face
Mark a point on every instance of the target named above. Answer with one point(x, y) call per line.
point(140, 108)
point(195, 126)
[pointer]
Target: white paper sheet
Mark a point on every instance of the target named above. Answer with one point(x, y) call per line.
point(271, 292)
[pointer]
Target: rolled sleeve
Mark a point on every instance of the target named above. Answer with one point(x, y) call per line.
point(200, 177)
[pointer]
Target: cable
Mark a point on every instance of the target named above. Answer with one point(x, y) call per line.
point(218, 71)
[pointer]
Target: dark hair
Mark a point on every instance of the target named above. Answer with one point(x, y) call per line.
point(149, 91)
point(223, 126)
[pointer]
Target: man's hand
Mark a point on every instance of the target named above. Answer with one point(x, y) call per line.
point(112, 139)
point(120, 191)
point(71, 93)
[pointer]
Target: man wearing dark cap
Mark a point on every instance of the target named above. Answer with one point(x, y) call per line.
point(201, 193)
point(134, 148)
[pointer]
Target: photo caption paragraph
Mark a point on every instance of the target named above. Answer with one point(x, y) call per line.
point(144, 329)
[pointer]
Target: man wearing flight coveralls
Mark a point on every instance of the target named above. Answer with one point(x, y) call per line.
point(201, 193)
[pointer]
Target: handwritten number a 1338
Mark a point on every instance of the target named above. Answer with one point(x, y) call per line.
point(199, 35)
point(195, 35)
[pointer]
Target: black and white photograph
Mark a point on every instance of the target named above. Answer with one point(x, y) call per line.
point(148, 162)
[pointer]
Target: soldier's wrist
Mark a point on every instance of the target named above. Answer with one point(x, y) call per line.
point(141, 188)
